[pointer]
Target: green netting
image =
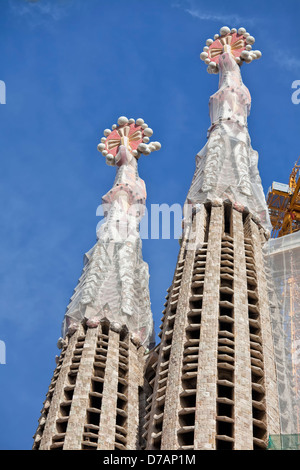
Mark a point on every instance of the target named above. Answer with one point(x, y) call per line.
point(284, 442)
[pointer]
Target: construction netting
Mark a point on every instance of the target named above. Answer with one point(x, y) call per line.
point(284, 442)
point(282, 257)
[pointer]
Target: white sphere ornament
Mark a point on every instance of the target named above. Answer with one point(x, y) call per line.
point(250, 40)
point(122, 120)
point(101, 147)
point(216, 36)
point(207, 60)
point(209, 41)
point(146, 139)
point(148, 132)
point(135, 153)
point(157, 145)
point(139, 122)
point(110, 159)
point(142, 147)
point(248, 47)
point(244, 55)
point(144, 126)
point(103, 139)
point(147, 151)
point(233, 30)
point(241, 30)
point(107, 132)
point(131, 121)
point(258, 54)
point(224, 30)
point(205, 49)
point(114, 126)
point(203, 55)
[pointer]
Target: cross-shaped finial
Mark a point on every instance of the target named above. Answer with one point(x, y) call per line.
point(237, 42)
point(134, 135)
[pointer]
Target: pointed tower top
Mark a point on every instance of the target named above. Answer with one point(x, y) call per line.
point(237, 42)
point(133, 134)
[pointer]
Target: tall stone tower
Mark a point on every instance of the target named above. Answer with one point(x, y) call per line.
point(93, 402)
point(213, 375)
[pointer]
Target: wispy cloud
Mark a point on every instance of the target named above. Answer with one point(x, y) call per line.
point(225, 18)
point(41, 11)
point(286, 60)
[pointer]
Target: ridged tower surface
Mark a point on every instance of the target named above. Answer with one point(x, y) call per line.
point(213, 376)
point(96, 394)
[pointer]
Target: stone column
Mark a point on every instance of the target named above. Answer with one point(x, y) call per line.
point(136, 361)
point(174, 386)
point(80, 401)
point(107, 428)
point(58, 396)
point(206, 398)
point(243, 434)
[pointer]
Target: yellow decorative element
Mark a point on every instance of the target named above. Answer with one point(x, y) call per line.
point(227, 46)
point(125, 138)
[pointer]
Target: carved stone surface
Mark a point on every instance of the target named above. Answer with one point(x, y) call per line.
point(115, 280)
point(226, 167)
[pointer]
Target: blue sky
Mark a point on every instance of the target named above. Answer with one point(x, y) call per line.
point(71, 68)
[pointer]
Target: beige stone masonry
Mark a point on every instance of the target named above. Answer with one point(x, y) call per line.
point(243, 434)
point(80, 401)
point(206, 399)
point(174, 387)
point(106, 440)
point(58, 396)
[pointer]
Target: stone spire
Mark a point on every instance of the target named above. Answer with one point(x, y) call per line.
point(114, 282)
point(95, 398)
point(213, 376)
point(226, 167)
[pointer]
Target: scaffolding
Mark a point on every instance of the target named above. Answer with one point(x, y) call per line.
point(282, 257)
point(283, 201)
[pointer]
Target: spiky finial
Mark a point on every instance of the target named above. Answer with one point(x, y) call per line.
point(135, 135)
point(238, 42)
